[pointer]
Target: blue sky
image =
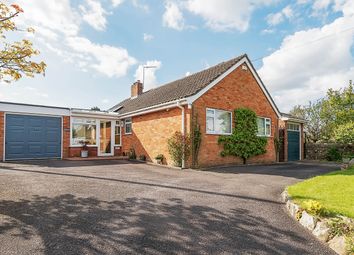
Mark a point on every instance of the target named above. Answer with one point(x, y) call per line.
point(95, 48)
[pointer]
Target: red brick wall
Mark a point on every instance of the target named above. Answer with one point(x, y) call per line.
point(76, 151)
point(283, 125)
point(2, 123)
point(151, 132)
point(66, 136)
point(238, 89)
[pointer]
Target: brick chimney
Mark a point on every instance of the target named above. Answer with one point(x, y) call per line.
point(136, 89)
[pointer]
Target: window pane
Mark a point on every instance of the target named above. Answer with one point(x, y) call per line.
point(128, 128)
point(260, 124)
point(83, 133)
point(210, 124)
point(268, 127)
point(223, 122)
point(117, 135)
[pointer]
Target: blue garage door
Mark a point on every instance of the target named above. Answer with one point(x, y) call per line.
point(32, 137)
point(293, 145)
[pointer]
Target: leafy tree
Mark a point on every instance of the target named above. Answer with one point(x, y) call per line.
point(15, 57)
point(344, 133)
point(244, 141)
point(179, 147)
point(95, 108)
point(338, 108)
point(316, 127)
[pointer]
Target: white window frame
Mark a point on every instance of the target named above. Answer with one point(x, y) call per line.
point(128, 121)
point(292, 129)
point(72, 122)
point(206, 120)
point(269, 120)
point(118, 124)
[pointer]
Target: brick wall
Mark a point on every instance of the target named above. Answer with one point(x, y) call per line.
point(151, 132)
point(238, 89)
point(284, 149)
point(2, 123)
point(66, 136)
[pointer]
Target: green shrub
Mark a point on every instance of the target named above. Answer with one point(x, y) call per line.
point(159, 157)
point(179, 147)
point(338, 226)
point(333, 154)
point(313, 207)
point(142, 157)
point(132, 154)
point(244, 141)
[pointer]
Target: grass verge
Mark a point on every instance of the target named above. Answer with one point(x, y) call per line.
point(334, 191)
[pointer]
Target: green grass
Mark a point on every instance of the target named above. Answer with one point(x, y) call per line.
point(335, 192)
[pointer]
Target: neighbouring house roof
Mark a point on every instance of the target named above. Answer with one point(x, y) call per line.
point(292, 117)
point(182, 88)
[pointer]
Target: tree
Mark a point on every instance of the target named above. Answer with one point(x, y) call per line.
point(243, 142)
point(15, 57)
point(338, 107)
point(316, 127)
point(95, 108)
point(344, 133)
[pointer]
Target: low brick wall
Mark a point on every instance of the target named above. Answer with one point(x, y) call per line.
point(318, 151)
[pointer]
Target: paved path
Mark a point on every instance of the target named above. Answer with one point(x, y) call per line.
point(117, 207)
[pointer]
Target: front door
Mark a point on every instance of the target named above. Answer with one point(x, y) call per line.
point(106, 146)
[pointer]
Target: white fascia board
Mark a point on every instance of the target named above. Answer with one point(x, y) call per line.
point(97, 115)
point(154, 108)
point(293, 120)
point(33, 109)
point(244, 60)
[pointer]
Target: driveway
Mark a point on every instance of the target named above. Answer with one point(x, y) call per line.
point(116, 207)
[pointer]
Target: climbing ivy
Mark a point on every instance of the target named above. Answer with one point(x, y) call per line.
point(243, 142)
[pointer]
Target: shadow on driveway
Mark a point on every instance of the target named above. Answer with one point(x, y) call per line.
point(68, 224)
point(298, 170)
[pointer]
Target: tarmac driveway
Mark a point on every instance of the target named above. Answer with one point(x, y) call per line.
point(119, 207)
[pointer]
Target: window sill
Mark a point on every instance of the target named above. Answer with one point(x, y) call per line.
point(218, 133)
point(77, 146)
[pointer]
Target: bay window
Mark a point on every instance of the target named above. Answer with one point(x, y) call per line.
point(264, 126)
point(218, 122)
point(83, 131)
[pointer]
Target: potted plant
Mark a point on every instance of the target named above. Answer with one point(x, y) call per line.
point(159, 159)
point(84, 150)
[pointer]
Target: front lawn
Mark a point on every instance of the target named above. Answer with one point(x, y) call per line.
point(335, 192)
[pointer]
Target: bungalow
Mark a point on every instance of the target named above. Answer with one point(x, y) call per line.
point(145, 121)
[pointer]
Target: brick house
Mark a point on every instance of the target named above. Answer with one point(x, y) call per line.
point(146, 120)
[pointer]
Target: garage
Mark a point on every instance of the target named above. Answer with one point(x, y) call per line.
point(32, 137)
point(293, 142)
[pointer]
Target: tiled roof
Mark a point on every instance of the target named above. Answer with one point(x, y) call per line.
point(182, 88)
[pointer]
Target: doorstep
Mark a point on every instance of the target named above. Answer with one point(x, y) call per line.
point(98, 158)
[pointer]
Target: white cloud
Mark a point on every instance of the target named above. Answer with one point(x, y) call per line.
point(173, 17)
point(116, 3)
point(147, 37)
point(94, 14)
point(111, 61)
point(274, 19)
point(58, 26)
point(138, 4)
point(150, 80)
point(225, 15)
point(311, 61)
